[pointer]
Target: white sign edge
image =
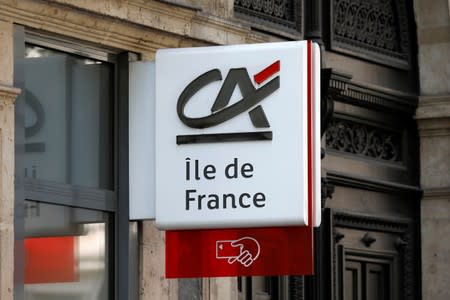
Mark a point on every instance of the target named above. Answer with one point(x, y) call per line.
point(317, 146)
point(141, 140)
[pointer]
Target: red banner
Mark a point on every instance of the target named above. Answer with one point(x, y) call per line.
point(239, 252)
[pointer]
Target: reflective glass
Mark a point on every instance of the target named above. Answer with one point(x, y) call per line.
point(66, 253)
point(68, 118)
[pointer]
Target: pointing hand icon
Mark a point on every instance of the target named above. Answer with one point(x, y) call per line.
point(244, 250)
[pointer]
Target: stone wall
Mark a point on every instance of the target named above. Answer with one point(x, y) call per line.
point(8, 95)
point(433, 118)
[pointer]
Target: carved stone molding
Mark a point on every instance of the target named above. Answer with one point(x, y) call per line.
point(375, 30)
point(363, 140)
point(280, 14)
point(355, 136)
point(370, 184)
point(372, 97)
point(366, 222)
point(8, 93)
point(328, 92)
point(431, 107)
point(433, 116)
point(436, 194)
point(368, 240)
point(138, 26)
point(333, 85)
point(327, 190)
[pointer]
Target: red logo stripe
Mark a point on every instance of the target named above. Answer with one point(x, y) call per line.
point(267, 72)
point(310, 136)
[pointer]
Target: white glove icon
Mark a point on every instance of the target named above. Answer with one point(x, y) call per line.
point(244, 250)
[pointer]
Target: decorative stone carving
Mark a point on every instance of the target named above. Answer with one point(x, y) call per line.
point(377, 30)
point(281, 13)
point(368, 240)
point(327, 190)
point(8, 94)
point(363, 140)
point(338, 236)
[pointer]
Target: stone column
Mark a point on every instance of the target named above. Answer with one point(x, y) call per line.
point(153, 284)
point(220, 288)
point(8, 95)
point(433, 118)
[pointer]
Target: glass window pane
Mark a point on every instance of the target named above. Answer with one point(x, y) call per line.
point(68, 118)
point(66, 252)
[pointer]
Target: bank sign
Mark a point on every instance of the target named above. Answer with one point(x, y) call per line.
point(237, 136)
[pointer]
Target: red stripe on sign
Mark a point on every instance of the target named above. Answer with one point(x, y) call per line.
point(267, 72)
point(310, 134)
point(310, 142)
point(239, 252)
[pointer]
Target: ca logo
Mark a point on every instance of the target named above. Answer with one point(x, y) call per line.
point(221, 111)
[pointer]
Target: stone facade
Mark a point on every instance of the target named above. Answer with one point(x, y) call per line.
point(7, 96)
point(433, 117)
point(143, 26)
point(152, 282)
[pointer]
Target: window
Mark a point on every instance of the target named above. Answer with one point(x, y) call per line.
point(65, 252)
point(68, 118)
point(71, 221)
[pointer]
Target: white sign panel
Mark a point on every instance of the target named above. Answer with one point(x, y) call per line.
point(142, 140)
point(237, 136)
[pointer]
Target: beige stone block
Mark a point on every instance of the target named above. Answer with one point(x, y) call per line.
point(436, 207)
point(433, 117)
point(214, 32)
point(218, 8)
point(75, 23)
point(435, 248)
point(140, 26)
point(113, 8)
point(163, 17)
point(434, 69)
point(120, 8)
point(7, 98)
point(439, 127)
point(6, 53)
point(431, 13)
point(220, 288)
point(432, 107)
point(435, 35)
point(6, 261)
point(435, 162)
point(153, 283)
point(147, 26)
